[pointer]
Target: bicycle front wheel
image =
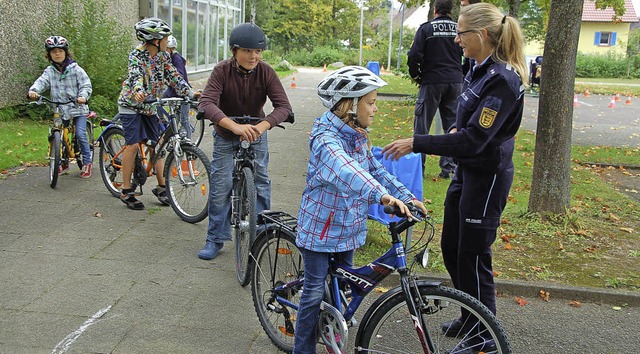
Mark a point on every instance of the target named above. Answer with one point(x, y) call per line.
point(245, 230)
point(277, 261)
point(187, 181)
point(112, 145)
point(387, 327)
point(55, 143)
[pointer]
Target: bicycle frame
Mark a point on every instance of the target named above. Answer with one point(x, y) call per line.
point(170, 136)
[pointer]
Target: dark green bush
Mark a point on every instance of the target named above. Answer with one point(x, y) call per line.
point(605, 66)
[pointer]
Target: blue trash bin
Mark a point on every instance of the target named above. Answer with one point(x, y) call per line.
point(374, 67)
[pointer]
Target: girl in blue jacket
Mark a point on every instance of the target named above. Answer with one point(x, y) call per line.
point(343, 179)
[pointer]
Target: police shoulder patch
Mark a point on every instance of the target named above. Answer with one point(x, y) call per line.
point(487, 117)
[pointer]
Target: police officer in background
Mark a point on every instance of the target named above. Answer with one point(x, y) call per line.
point(482, 142)
point(435, 63)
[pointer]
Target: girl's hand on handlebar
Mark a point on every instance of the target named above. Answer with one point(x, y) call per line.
point(420, 205)
point(388, 200)
point(81, 100)
point(33, 95)
point(139, 96)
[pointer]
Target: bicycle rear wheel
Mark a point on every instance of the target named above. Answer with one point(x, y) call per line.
point(245, 230)
point(112, 146)
point(54, 157)
point(196, 126)
point(387, 327)
point(277, 261)
point(187, 183)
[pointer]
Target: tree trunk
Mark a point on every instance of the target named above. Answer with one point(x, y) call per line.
point(551, 180)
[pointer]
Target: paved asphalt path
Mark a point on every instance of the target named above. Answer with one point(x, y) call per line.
point(80, 273)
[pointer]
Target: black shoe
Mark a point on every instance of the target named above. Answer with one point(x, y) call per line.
point(130, 200)
point(444, 175)
point(161, 193)
point(452, 328)
point(474, 346)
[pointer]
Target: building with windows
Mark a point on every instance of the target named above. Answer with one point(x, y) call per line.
point(202, 28)
point(601, 32)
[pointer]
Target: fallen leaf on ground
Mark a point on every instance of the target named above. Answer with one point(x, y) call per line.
point(575, 303)
point(508, 246)
point(617, 308)
point(97, 214)
point(520, 301)
point(627, 229)
point(544, 295)
point(381, 289)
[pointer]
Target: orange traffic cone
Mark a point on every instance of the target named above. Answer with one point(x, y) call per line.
point(293, 81)
point(324, 70)
point(628, 101)
point(576, 104)
point(586, 92)
point(612, 104)
point(618, 99)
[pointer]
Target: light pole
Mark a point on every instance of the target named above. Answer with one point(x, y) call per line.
point(361, 25)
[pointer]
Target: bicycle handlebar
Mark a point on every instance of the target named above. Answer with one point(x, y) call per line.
point(41, 100)
point(256, 120)
point(161, 101)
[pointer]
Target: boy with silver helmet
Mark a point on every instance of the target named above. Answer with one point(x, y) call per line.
point(343, 179)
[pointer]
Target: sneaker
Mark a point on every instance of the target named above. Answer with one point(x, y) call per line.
point(86, 171)
point(161, 193)
point(444, 175)
point(63, 168)
point(475, 346)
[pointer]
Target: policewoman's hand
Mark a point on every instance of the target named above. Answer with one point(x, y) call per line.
point(398, 148)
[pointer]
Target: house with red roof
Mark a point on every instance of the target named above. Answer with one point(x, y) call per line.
point(602, 31)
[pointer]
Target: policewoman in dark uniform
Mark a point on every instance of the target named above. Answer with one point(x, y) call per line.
point(482, 141)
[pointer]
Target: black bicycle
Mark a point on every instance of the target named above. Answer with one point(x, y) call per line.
point(406, 319)
point(186, 168)
point(244, 212)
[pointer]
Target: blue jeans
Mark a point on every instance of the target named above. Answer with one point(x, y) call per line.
point(81, 134)
point(221, 182)
point(316, 269)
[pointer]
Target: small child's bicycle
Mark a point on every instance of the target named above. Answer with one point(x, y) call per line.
point(186, 168)
point(414, 317)
point(63, 143)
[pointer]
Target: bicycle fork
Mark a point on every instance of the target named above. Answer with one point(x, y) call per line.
point(414, 303)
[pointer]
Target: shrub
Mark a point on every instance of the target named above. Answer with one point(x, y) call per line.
point(603, 66)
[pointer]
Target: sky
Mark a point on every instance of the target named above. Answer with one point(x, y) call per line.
point(636, 6)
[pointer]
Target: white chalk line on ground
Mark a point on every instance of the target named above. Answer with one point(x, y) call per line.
point(66, 343)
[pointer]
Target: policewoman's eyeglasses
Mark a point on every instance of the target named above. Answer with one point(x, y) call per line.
point(459, 34)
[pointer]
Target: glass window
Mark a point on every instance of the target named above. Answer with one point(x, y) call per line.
point(202, 33)
point(605, 38)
